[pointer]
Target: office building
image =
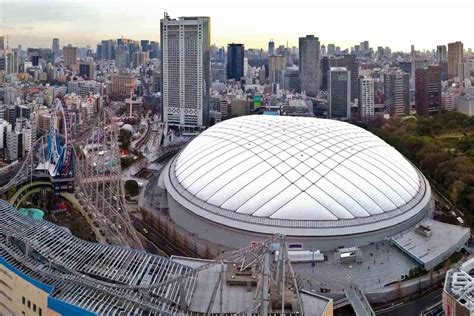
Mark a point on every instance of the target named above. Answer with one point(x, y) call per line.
point(441, 53)
point(120, 84)
point(309, 62)
point(87, 70)
point(339, 91)
point(139, 59)
point(70, 55)
point(458, 297)
point(55, 48)
point(14, 145)
point(185, 52)
point(154, 50)
point(366, 98)
point(464, 70)
point(455, 56)
point(5, 127)
point(428, 90)
point(235, 61)
point(397, 92)
point(271, 48)
point(352, 65)
point(2, 42)
point(331, 49)
point(145, 45)
point(325, 65)
point(122, 58)
point(12, 61)
point(107, 50)
point(290, 80)
point(276, 64)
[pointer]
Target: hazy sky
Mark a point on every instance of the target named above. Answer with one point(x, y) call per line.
point(397, 24)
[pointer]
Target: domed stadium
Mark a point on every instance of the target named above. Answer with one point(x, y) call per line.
point(323, 183)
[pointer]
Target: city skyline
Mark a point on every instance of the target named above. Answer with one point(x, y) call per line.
point(86, 22)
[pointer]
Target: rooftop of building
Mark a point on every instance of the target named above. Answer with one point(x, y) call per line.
point(299, 172)
point(431, 241)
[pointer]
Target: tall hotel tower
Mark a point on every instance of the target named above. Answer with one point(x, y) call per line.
point(185, 68)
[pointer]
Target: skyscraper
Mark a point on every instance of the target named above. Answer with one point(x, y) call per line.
point(275, 65)
point(235, 61)
point(2, 42)
point(145, 45)
point(55, 48)
point(352, 65)
point(339, 93)
point(331, 49)
point(271, 48)
point(441, 53)
point(366, 98)
point(397, 92)
point(69, 54)
point(325, 64)
point(107, 49)
point(185, 66)
point(309, 65)
point(428, 90)
point(455, 56)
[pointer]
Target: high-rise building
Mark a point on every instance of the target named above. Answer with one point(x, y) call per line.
point(271, 48)
point(428, 90)
point(12, 61)
point(145, 45)
point(366, 98)
point(309, 65)
point(5, 127)
point(464, 70)
point(325, 64)
point(2, 42)
point(154, 50)
point(323, 50)
point(365, 46)
point(55, 48)
point(122, 58)
point(107, 50)
point(120, 83)
point(98, 52)
point(185, 67)
point(455, 56)
point(441, 53)
point(235, 61)
point(87, 70)
point(139, 58)
point(275, 65)
point(339, 93)
point(397, 92)
point(352, 65)
point(331, 49)
point(70, 54)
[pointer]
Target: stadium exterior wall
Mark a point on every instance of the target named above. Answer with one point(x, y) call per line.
point(230, 237)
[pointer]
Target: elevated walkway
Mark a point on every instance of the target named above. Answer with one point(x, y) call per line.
point(358, 301)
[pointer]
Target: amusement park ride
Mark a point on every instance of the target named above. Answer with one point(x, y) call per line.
point(93, 173)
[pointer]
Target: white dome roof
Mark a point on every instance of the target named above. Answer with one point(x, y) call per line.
point(296, 168)
point(128, 127)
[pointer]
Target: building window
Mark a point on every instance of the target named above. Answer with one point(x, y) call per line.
point(34, 307)
point(23, 300)
point(40, 312)
point(29, 304)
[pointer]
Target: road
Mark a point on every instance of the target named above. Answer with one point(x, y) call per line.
point(156, 242)
point(416, 307)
